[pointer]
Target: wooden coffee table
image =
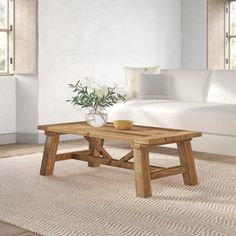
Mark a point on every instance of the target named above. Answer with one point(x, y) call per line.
point(140, 138)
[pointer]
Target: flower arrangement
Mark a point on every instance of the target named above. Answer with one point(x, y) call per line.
point(97, 98)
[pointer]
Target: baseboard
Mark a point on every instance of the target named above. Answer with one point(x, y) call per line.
point(42, 137)
point(218, 144)
point(27, 138)
point(213, 143)
point(7, 139)
point(32, 138)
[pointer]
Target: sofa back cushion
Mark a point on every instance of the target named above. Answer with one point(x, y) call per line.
point(188, 85)
point(222, 87)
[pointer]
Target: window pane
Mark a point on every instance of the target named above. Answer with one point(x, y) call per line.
point(233, 54)
point(3, 14)
point(3, 52)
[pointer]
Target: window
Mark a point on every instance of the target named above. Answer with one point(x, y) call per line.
point(18, 36)
point(231, 36)
point(4, 37)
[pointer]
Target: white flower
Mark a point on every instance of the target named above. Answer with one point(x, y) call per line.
point(101, 91)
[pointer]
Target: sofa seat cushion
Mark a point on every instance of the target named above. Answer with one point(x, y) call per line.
point(212, 118)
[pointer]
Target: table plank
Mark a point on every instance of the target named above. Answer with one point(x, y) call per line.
point(139, 134)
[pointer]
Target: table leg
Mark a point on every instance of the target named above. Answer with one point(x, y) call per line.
point(95, 152)
point(142, 172)
point(49, 154)
point(186, 159)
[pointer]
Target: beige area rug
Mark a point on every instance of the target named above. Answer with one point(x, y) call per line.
point(78, 200)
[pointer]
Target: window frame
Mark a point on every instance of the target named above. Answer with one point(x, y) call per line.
point(228, 35)
point(7, 30)
point(21, 27)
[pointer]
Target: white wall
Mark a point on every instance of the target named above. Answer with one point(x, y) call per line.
point(194, 34)
point(97, 38)
point(8, 109)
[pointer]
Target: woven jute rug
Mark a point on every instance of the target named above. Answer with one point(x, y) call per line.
point(78, 200)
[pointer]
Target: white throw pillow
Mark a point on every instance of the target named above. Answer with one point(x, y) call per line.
point(132, 77)
point(222, 87)
point(154, 86)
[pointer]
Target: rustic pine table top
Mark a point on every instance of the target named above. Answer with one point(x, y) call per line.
point(138, 134)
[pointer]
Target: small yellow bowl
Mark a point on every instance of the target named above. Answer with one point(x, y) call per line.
point(123, 124)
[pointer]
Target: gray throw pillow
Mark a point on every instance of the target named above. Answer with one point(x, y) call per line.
point(154, 86)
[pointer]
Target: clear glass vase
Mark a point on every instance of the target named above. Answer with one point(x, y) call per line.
point(96, 117)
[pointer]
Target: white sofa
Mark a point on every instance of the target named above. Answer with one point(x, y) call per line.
point(200, 100)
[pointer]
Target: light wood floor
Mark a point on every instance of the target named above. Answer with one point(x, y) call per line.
point(7, 151)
